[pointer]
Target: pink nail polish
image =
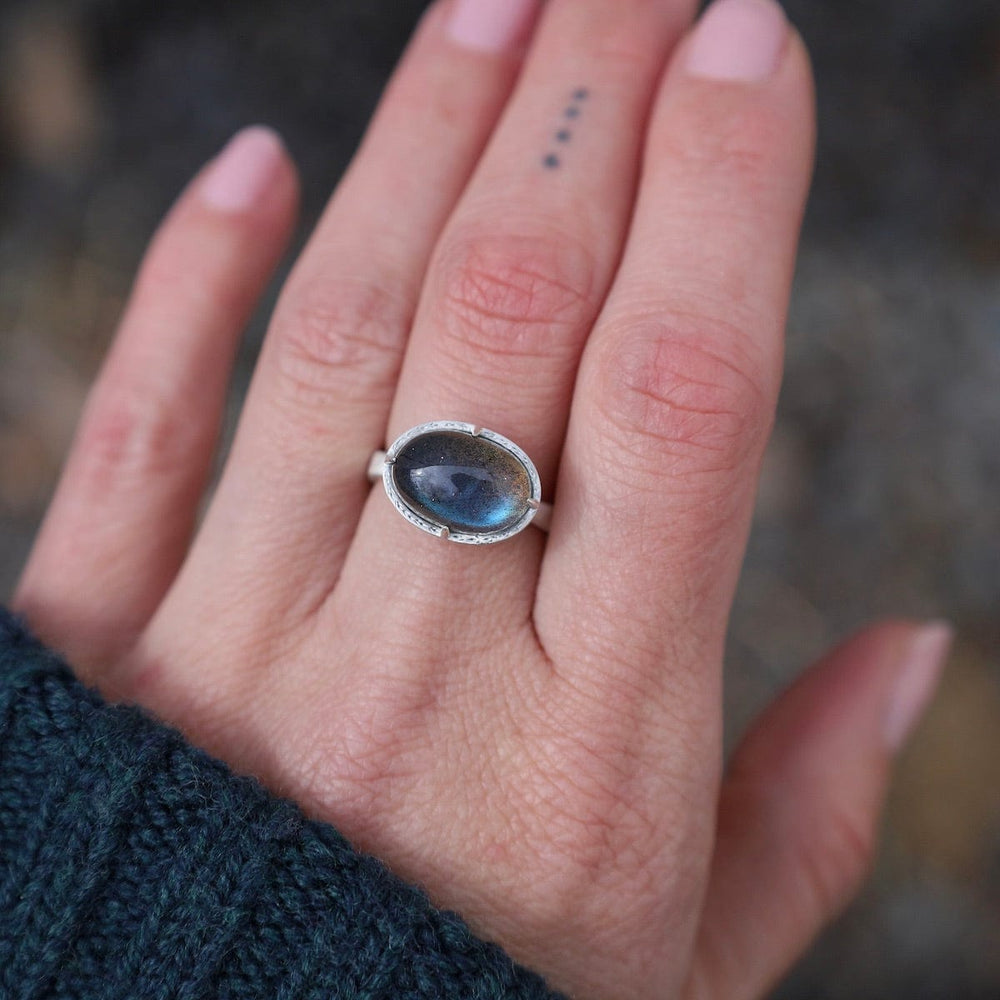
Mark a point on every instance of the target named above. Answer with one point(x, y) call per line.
point(490, 25)
point(916, 682)
point(738, 41)
point(242, 173)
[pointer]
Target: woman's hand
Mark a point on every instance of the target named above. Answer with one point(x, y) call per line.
point(591, 254)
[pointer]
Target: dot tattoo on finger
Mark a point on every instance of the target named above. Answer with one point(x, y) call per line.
point(563, 134)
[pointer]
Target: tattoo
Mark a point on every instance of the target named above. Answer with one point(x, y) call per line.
point(572, 111)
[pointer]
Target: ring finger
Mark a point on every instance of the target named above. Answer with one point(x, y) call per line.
point(523, 266)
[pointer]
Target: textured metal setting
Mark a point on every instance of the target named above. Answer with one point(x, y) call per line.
point(435, 527)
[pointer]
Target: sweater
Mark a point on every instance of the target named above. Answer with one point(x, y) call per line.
point(133, 865)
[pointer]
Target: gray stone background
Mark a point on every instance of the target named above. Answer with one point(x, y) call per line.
point(881, 491)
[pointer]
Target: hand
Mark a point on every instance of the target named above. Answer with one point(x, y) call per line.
point(591, 254)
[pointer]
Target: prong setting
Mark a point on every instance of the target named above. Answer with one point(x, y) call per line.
point(420, 518)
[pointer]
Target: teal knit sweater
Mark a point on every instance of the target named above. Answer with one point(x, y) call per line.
point(134, 866)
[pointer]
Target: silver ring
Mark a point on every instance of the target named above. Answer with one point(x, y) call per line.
point(461, 482)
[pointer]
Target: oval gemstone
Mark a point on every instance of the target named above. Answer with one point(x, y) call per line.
point(468, 484)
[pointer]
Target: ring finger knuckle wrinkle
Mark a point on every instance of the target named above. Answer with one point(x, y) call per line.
point(509, 299)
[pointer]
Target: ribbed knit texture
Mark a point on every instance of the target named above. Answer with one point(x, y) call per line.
point(134, 866)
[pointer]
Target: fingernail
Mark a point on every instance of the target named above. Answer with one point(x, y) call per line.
point(490, 25)
point(916, 682)
point(738, 41)
point(241, 174)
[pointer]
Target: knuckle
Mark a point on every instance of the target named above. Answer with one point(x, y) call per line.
point(162, 276)
point(617, 40)
point(131, 434)
point(169, 271)
point(363, 763)
point(676, 400)
point(733, 145)
point(593, 784)
point(192, 269)
point(340, 337)
point(592, 826)
point(828, 846)
point(512, 297)
point(836, 860)
point(617, 36)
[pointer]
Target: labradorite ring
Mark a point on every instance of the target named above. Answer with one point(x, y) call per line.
point(461, 482)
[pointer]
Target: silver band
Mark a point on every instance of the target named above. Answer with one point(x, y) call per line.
point(461, 482)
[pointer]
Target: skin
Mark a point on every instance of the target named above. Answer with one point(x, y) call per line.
point(531, 730)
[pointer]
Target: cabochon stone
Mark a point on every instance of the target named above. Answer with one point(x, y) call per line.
point(468, 484)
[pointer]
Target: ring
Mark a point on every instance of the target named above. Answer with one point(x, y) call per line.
point(461, 482)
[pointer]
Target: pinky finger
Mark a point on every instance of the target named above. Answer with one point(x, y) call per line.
point(119, 525)
point(800, 806)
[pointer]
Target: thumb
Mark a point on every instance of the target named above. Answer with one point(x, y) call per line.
point(799, 806)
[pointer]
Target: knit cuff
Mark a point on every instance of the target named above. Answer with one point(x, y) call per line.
point(134, 865)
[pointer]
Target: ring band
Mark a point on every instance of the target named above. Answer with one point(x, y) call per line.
point(461, 482)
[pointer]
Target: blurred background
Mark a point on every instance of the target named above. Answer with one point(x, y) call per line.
point(881, 488)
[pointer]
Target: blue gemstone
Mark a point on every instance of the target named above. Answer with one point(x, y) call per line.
point(468, 484)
